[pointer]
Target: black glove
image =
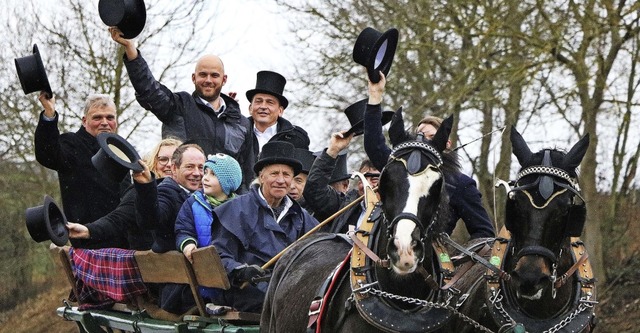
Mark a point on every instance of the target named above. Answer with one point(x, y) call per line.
point(248, 273)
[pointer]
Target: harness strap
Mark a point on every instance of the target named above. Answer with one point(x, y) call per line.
point(359, 252)
point(352, 234)
point(563, 278)
point(466, 267)
point(318, 305)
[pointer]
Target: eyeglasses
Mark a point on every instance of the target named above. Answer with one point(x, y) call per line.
point(163, 160)
point(372, 175)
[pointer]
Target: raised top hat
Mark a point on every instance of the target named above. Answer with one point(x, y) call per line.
point(306, 158)
point(271, 83)
point(47, 222)
point(115, 157)
point(298, 137)
point(129, 16)
point(278, 152)
point(375, 50)
point(355, 114)
point(31, 72)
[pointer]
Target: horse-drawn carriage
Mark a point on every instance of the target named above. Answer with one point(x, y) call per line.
point(396, 273)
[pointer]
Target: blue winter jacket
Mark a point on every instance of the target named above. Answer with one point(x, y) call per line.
point(246, 233)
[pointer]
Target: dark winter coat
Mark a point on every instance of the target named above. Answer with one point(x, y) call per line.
point(246, 233)
point(87, 194)
point(185, 116)
point(324, 200)
point(157, 207)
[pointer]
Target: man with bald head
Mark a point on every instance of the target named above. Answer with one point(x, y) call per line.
point(205, 117)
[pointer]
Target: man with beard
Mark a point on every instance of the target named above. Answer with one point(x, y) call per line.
point(205, 117)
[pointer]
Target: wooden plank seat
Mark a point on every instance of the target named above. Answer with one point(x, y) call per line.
point(171, 267)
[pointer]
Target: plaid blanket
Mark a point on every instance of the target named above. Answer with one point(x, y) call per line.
point(106, 276)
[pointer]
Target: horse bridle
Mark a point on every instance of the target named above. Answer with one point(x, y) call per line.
point(409, 153)
point(548, 176)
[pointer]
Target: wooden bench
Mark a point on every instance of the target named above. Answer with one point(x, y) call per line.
point(171, 267)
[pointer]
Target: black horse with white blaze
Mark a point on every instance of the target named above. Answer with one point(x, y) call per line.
point(394, 288)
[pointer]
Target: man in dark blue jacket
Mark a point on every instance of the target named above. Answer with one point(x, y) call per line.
point(254, 227)
point(465, 200)
point(205, 117)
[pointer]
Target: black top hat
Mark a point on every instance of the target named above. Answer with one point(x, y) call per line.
point(375, 50)
point(128, 15)
point(298, 137)
point(278, 152)
point(47, 222)
point(271, 83)
point(115, 157)
point(355, 113)
point(306, 158)
point(31, 72)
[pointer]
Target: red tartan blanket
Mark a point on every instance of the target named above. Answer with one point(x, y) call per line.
point(105, 276)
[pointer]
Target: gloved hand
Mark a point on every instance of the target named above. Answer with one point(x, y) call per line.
point(248, 273)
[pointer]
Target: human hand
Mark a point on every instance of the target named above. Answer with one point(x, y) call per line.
point(144, 176)
point(376, 90)
point(248, 274)
point(48, 103)
point(78, 231)
point(337, 143)
point(188, 250)
point(129, 44)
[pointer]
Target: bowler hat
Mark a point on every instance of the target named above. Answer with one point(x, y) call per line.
point(355, 114)
point(298, 137)
point(375, 50)
point(128, 15)
point(47, 222)
point(115, 157)
point(278, 152)
point(306, 158)
point(31, 72)
point(271, 83)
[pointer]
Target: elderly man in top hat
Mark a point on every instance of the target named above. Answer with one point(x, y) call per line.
point(87, 194)
point(205, 117)
point(256, 226)
point(465, 200)
point(267, 107)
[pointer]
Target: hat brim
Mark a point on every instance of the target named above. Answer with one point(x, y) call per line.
point(283, 100)
point(117, 148)
point(358, 128)
point(293, 163)
point(376, 65)
point(131, 23)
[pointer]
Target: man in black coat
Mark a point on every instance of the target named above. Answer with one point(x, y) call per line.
point(87, 194)
point(205, 117)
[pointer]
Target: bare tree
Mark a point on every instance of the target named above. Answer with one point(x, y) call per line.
point(555, 69)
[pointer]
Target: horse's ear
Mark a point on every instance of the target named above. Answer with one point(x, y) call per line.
point(573, 158)
point(441, 137)
point(397, 134)
point(520, 147)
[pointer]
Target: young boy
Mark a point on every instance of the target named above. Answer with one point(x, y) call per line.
point(222, 177)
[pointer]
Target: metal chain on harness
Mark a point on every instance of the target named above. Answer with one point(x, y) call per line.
point(425, 303)
point(496, 300)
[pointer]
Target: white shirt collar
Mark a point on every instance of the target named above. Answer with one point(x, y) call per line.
point(287, 204)
point(218, 112)
point(264, 137)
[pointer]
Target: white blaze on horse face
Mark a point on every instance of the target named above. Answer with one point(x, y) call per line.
point(418, 188)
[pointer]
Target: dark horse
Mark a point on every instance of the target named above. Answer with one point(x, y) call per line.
point(398, 293)
point(551, 286)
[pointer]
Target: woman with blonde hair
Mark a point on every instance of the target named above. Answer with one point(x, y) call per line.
point(159, 158)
